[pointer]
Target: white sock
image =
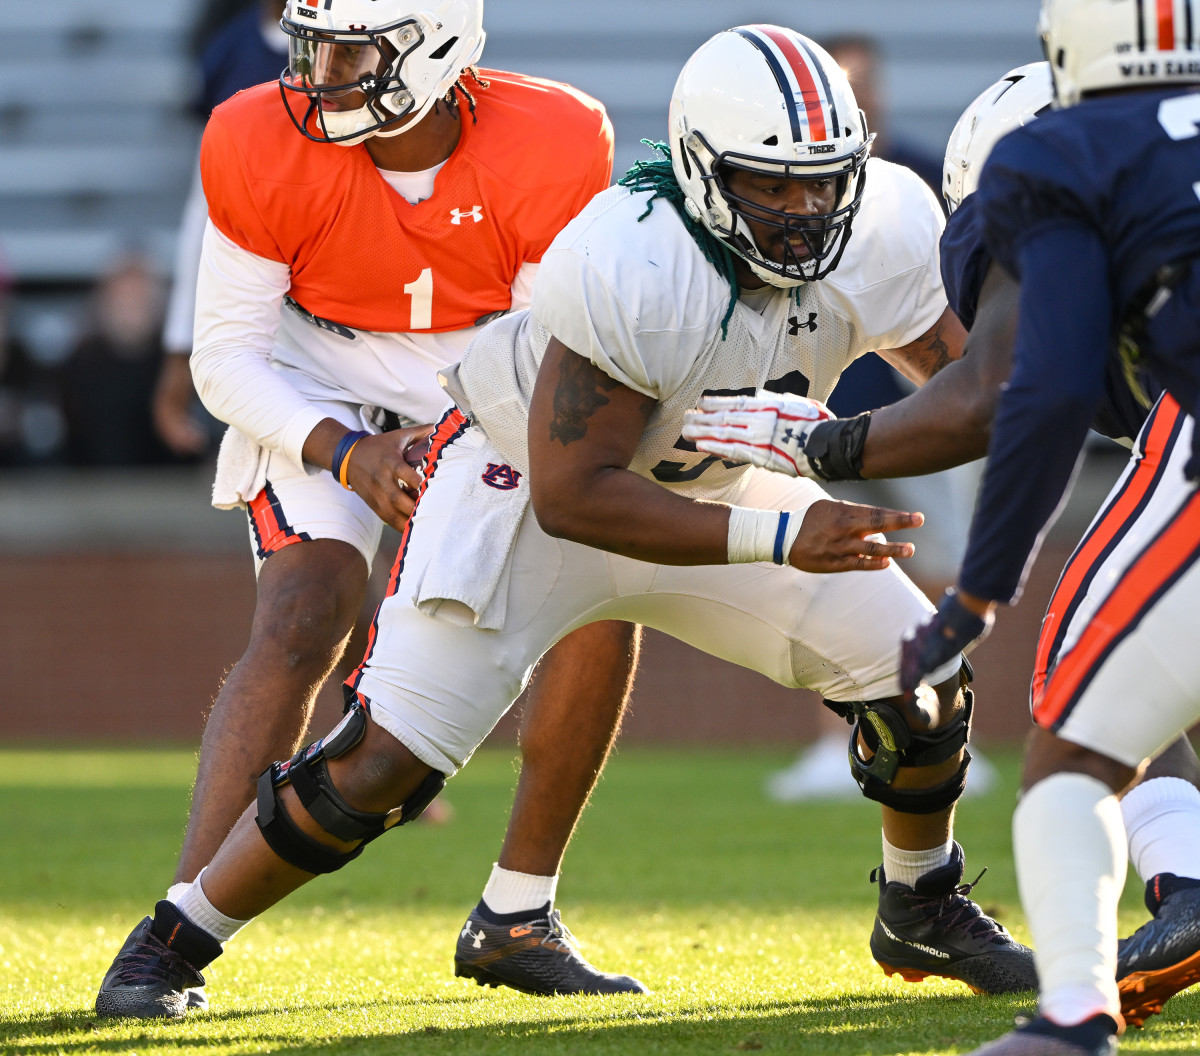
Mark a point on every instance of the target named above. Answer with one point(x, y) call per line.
point(907, 867)
point(194, 905)
point(1162, 820)
point(1069, 844)
point(175, 890)
point(511, 892)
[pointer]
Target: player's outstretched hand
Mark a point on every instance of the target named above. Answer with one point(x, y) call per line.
point(766, 429)
point(844, 537)
point(385, 471)
point(951, 630)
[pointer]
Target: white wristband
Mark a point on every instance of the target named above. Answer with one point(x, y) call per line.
point(761, 535)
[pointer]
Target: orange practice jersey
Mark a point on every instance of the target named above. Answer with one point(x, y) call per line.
point(359, 253)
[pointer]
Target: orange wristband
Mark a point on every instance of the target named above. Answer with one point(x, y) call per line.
point(344, 468)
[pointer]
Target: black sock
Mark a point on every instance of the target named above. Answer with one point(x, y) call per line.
point(492, 917)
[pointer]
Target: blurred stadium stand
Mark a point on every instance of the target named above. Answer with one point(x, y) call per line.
point(96, 143)
point(123, 595)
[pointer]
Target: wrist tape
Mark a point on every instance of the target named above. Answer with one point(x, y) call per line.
point(761, 535)
point(834, 449)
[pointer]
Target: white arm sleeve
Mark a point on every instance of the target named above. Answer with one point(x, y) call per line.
point(238, 300)
point(181, 308)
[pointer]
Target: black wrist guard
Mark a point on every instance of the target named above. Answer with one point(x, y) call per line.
point(834, 449)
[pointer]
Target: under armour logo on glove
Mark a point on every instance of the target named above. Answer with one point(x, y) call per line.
point(794, 324)
point(765, 429)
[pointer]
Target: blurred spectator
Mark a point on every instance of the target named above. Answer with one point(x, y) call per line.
point(109, 377)
point(245, 49)
point(859, 56)
point(947, 499)
point(30, 418)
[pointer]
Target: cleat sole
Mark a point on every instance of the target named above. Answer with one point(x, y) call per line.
point(1143, 994)
point(482, 977)
point(915, 975)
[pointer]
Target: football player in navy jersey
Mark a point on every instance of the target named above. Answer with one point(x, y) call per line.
point(1095, 209)
point(1162, 814)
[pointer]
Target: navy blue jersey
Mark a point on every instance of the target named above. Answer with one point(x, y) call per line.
point(965, 261)
point(237, 58)
point(1084, 206)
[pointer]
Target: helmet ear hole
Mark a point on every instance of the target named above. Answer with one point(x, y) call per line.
point(444, 50)
point(771, 141)
point(683, 157)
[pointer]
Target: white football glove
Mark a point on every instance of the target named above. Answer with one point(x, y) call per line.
point(766, 429)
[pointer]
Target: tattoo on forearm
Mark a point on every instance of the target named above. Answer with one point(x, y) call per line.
point(580, 393)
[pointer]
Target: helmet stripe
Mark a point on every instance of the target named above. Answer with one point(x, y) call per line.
point(813, 103)
point(1166, 25)
point(1141, 25)
point(834, 123)
point(787, 90)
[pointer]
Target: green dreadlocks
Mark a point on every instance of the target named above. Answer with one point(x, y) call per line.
point(657, 175)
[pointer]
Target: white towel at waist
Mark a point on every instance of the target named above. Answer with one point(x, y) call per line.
point(242, 462)
point(472, 564)
point(241, 470)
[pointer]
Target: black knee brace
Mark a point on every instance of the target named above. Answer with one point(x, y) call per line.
point(887, 735)
point(308, 773)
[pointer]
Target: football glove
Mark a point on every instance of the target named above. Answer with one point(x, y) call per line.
point(766, 430)
point(953, 629)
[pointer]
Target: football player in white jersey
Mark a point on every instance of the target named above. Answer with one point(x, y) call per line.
point(558, 492)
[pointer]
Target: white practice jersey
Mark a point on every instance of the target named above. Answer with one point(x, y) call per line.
point(639, 300)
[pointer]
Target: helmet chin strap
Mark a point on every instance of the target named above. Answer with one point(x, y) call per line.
point(771, 278)
point(415, 118)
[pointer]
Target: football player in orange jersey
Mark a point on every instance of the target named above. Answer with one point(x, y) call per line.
point(360, 230)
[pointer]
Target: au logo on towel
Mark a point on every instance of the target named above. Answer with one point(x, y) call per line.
point(502, 478)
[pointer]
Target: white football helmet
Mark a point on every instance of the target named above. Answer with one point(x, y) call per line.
point(1097, 44)
point(1014, 100)
point(767, 99)
point(397, 60)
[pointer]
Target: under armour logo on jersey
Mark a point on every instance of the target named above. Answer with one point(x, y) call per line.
point(502, 478)
point(794, 324)
point(457, 216)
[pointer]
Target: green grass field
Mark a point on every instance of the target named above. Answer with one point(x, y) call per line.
point(748, 920)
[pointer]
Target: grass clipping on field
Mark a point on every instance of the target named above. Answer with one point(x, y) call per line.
point(748, 920)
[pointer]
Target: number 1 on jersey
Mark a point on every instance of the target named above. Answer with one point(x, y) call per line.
point(421, 291)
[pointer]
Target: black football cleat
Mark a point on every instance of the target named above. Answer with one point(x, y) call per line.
point(149, 979)
point(1096, 1036)
point(936, 929)
point(1163, 956)
point(536, 956)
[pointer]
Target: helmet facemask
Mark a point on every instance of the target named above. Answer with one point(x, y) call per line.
point(728, 216)
point(327, 67)
point(823, 235)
